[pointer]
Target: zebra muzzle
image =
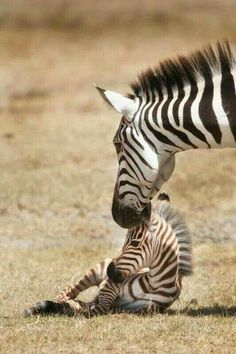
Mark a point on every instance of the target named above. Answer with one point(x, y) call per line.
point(128, 216)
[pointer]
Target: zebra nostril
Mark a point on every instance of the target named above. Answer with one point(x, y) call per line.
point(114, 274)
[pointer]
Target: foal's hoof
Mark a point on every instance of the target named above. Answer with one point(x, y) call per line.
point(42, 308)
point(30, 312)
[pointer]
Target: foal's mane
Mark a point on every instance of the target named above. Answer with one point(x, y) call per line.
point(175, 73)
point(182, 234)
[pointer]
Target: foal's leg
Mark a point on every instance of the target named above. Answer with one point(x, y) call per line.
point(64, 302)
point(104, 302)
point(69, 308)
point(93, 277)
point(108, 292)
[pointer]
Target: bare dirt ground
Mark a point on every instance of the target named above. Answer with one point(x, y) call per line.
point(58, 168)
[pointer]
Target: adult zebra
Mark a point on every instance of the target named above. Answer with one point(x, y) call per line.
point(147, 275)
point(184, 103)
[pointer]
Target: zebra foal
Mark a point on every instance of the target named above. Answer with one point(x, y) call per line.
point(146, 276)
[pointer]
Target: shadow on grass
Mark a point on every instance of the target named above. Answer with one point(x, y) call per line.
point(216, 310)
point(47, 308)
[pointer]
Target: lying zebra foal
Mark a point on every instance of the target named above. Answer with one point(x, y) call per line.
point(146, 277)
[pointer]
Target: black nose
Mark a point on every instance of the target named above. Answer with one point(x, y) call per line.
point(114, 274)
point(128, 217)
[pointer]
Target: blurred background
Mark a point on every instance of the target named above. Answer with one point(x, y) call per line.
point(58, 164)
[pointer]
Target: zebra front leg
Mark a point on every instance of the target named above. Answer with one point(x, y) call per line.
point(63, 303)
point(69, 308)
point(105, 301)
point(93, 277)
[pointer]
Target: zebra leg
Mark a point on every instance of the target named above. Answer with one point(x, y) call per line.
point(63, 303)
point(108, 293)
point(93, 277)
point(50, 308)
point(162, 200)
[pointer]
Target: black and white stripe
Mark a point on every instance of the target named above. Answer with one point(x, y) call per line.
point(161, 251)
point(184, 103)
point(147, 275)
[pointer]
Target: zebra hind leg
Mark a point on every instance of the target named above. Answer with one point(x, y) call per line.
point(49, 308)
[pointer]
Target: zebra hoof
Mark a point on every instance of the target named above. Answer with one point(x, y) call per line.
point(30, 312)
point(43, 308)
point(46, 307)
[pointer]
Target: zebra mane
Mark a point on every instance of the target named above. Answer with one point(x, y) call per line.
point(177, 72)
point(183, 236)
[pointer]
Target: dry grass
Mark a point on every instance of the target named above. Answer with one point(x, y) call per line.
point(206, 325)
point(58, 168)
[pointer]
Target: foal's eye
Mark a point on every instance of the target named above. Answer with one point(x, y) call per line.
point(134, 243)
point(118, 147)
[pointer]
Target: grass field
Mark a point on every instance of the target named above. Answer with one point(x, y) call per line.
point(58, 168)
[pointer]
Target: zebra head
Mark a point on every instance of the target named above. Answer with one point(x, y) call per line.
point(135, 254)
point(142, 170)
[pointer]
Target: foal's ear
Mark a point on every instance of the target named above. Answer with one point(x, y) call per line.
point(163, 199)
point(121, 104)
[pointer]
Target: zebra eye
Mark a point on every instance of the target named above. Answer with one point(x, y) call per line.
point(134, 243)
point(118, 147)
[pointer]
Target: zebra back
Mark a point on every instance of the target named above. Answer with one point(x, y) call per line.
point(182, 234)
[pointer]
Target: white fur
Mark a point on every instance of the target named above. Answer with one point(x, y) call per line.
point(120, 103)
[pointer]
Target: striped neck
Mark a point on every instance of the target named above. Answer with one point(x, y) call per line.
point(165, 250)
point(200, 115)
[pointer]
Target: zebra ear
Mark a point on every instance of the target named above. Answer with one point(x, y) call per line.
point(121, 104)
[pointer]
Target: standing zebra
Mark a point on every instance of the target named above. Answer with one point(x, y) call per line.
point(147, 275)
point(184, 103)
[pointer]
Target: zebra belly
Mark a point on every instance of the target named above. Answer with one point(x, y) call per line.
point(132, 296)
point(131, 293)
point(134, 305)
